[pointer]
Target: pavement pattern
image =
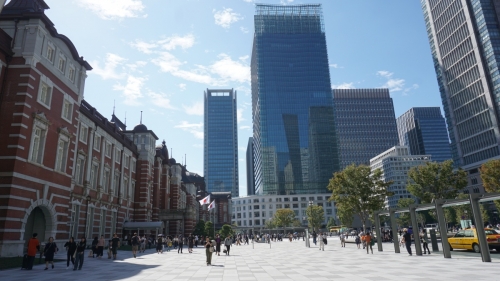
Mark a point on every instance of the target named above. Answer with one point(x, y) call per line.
point(278, 261)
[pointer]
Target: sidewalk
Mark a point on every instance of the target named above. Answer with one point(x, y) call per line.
point(277, 261)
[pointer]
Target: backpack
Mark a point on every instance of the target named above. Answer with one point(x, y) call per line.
point(134, 241)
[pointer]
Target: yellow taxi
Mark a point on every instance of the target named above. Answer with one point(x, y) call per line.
point(467, 239)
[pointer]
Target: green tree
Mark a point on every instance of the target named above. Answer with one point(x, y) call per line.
point(331, 222)
point(199, 228)
point(315, 216)
point(270, 224)
point(358, 190)
point(226, 231)
point(490, 175)
point(345, 214)
point(284, 217)
point(436, 181)
point(296, 223)
point(209, 229)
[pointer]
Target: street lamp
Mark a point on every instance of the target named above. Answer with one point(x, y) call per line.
point(86, 217)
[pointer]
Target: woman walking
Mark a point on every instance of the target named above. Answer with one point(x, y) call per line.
point(100, 247)
point(321, 242)
point(208, 251)
point(425, 241)
point(217, 244)
point(159, 245)
point(80, 249)
point(181, 244)
point(94, 247)
point(49, 251)
point(71, 249)
point(227, 243)
point(190, 243)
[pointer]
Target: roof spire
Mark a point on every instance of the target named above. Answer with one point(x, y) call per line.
point(125, 118)
point(114, 107)
point(141, 118)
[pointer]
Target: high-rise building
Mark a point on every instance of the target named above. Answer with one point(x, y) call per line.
point(395, 164)
point(365, 123)
point(221, 142)
point(423, 131)
point(250, 173)
point(464, 37)
point(295, 146)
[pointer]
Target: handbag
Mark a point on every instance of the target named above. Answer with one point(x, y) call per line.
point(212, 249)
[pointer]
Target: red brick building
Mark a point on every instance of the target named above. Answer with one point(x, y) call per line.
point(66, 170)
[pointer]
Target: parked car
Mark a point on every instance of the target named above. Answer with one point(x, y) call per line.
point(467, 239)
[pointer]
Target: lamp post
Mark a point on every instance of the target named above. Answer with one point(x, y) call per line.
point(86, 217)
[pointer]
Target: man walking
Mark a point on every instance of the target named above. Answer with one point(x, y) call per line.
point(100, 247)
point(314, 237)
point(135, 244)
point(181, 244)
point(80, 248)
point(407, 240)
point(33, 248)
point(368, 240)
point(114, 245)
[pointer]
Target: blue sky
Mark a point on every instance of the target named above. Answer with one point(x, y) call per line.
point(158, 56)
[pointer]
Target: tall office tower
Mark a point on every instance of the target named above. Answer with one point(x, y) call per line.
point(294, 136)
point(221, 142)
point(423, 131)
point(464, 37)
point(250, 173)
point(365, 123)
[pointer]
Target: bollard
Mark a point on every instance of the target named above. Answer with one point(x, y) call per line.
point(434, 242)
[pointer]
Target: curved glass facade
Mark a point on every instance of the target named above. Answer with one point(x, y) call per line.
point(294, 135)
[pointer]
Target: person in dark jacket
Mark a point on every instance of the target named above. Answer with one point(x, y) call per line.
point(94, 247)
point(80, 249)
point(71, 248)
point(49, 251)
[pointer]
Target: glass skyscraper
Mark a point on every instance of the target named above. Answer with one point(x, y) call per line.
point(464, 37)
point(423, 131)
point(221, 142)
point(365, 123)
point(295, 145)
point(250, 164)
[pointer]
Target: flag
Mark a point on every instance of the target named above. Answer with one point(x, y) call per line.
point(211, 206)
point(205, 200)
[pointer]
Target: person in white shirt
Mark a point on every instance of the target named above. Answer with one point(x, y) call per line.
point(322, 241)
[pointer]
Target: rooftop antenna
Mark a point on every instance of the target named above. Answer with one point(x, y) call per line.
point(125, 118)
point(171, 153)
point(113, 107)
point(141, 117)
point(185, 160)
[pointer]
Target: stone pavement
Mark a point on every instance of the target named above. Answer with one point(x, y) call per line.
point(284, 261)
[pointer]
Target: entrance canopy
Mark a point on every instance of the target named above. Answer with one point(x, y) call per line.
point(143, 225)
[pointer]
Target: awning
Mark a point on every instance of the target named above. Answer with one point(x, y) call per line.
point(143, 225)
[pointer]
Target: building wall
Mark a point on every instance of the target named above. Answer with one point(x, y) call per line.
point(365, 122)
point(250, 167)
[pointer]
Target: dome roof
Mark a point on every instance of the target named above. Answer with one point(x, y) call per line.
point(140, 128)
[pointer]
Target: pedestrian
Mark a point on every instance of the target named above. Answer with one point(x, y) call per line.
point(135, 244)
point(100, 247)
point(290, 237)
point(169, 244)
point(115, 243)
point(181, 244)
point(159, 245)
point(342, 240)
point(143, 244)
point(227, 243)
point(425, 241)
point(80, 249)
point(196, 241)
point(94, 247)
point(217, 244)
point(49, 251)
point(314, 235)
point(407, 240)
point(369, 242)
point(71, 251)
point(321, 242)
point(190, 243)
point(33, 248)
point(358, 241)
point(209, 249)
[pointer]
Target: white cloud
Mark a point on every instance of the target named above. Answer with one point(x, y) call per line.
point(244, 29)
point(160, 99)
point(132, 90)
point(114, 9)
point(182, 86)
point(195, 109)
point(231, 70)
point(334, 65)
point(249, 1)
point(393, 84)
point(284, 2)
point(239, 115)
point(171, 43)
point(407, 90)
point(136, 65)
point(110, 66)
point(344, 86)
point(226, 17)
point(194, 128)
point(245, 128)
point(143, 47)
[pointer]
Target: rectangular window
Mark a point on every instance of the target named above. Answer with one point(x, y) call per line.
point(94, 172)
point(133, 165)
point(71, 74)
point(45, 94)
point(80, 167)
point(131, 191)
point(116, 184)
point(105, 180)
point(124, 190)
point(84, 133)
point(113, 223)
point(108, 149)
point(118, 155)
point(62, 155)
point(62, 64)
point(67, 110)
point(97, 142)
point(328, 211)
point(75, 220)
point(90, 222)
point(37, 145)
point(127, 159)
point(102, 225)
point(50, 53)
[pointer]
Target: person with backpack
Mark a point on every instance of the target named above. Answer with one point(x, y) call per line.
point(135, 244)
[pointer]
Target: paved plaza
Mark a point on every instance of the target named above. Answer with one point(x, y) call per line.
point(284, 261)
